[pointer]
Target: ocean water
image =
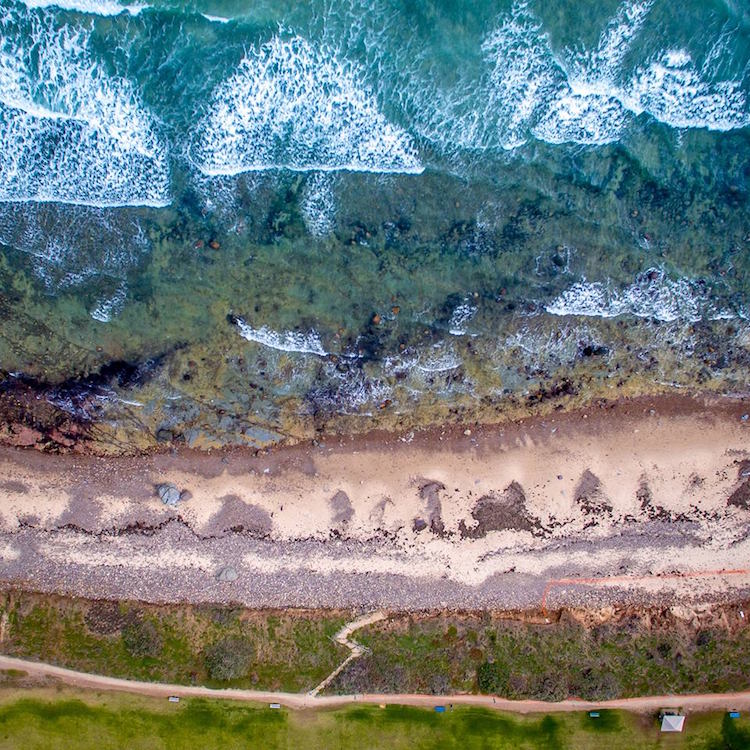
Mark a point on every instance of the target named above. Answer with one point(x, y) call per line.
point(346, 213)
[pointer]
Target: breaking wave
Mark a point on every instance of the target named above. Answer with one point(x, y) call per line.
point(286, 341)
point(291, 105)
point(585, 96)
point(215, 19)
point(97, 7)
point(653, 295)
point(69, 132)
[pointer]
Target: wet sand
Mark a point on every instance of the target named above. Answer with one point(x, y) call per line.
point(634, 502)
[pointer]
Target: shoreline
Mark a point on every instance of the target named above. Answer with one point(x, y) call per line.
point(648, 496)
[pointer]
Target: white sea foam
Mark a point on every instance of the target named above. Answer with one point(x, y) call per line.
point(286, 341)
point(318, 204)
point(586, 118)
point(97, 7)
point(70, 244)
point(584, 96)
point(605, 61)
point(108, 307)
point(544, 349)
point(653, 295)
point(69, 132)
point(355, 390)
point(460, 317)
point(438, 359)
point(215, 19)
point(292, 105)
point(675, 92)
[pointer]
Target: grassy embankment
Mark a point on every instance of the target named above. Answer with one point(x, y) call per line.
point(628, 654)
point(214, 646)
point(631, 654)
point(50, 719)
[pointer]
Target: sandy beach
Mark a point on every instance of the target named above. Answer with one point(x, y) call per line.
point(633, 501)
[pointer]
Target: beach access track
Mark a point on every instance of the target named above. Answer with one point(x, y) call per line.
point(302, 701)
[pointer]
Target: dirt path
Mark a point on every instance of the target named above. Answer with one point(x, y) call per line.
point(719, 701)
point(355, 648)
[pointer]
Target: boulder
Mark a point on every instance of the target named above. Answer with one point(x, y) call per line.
point(168, 494)
point(227, 574)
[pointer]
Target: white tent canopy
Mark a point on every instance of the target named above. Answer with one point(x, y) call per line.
point(672, 723)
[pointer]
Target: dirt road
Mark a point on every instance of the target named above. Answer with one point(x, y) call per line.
point(720, 701)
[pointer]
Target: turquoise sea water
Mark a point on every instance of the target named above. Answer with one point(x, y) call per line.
point(307, 210)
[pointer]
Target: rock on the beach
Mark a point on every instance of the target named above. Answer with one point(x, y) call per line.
point(227, 574)
point(164, 436)
point(168, 494)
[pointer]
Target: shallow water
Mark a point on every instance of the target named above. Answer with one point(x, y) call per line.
point(381, 212)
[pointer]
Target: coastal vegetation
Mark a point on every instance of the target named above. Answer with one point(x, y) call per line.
point(595, 656)
point(626, 653)
point(186, 644)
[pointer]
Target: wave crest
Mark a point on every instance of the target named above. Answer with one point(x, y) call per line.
point(285, 341)
point(290, 105)
point(69, 132)
point(96, 7)
point(653, 295)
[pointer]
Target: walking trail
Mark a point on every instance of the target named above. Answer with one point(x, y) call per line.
point(715, 701)
point(356, 649)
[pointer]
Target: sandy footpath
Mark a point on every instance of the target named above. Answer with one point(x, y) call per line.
point(653, 495)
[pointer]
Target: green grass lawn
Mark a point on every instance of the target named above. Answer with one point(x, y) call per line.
point(46, 719)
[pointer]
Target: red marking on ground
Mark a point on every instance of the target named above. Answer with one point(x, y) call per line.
point(630, 579)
